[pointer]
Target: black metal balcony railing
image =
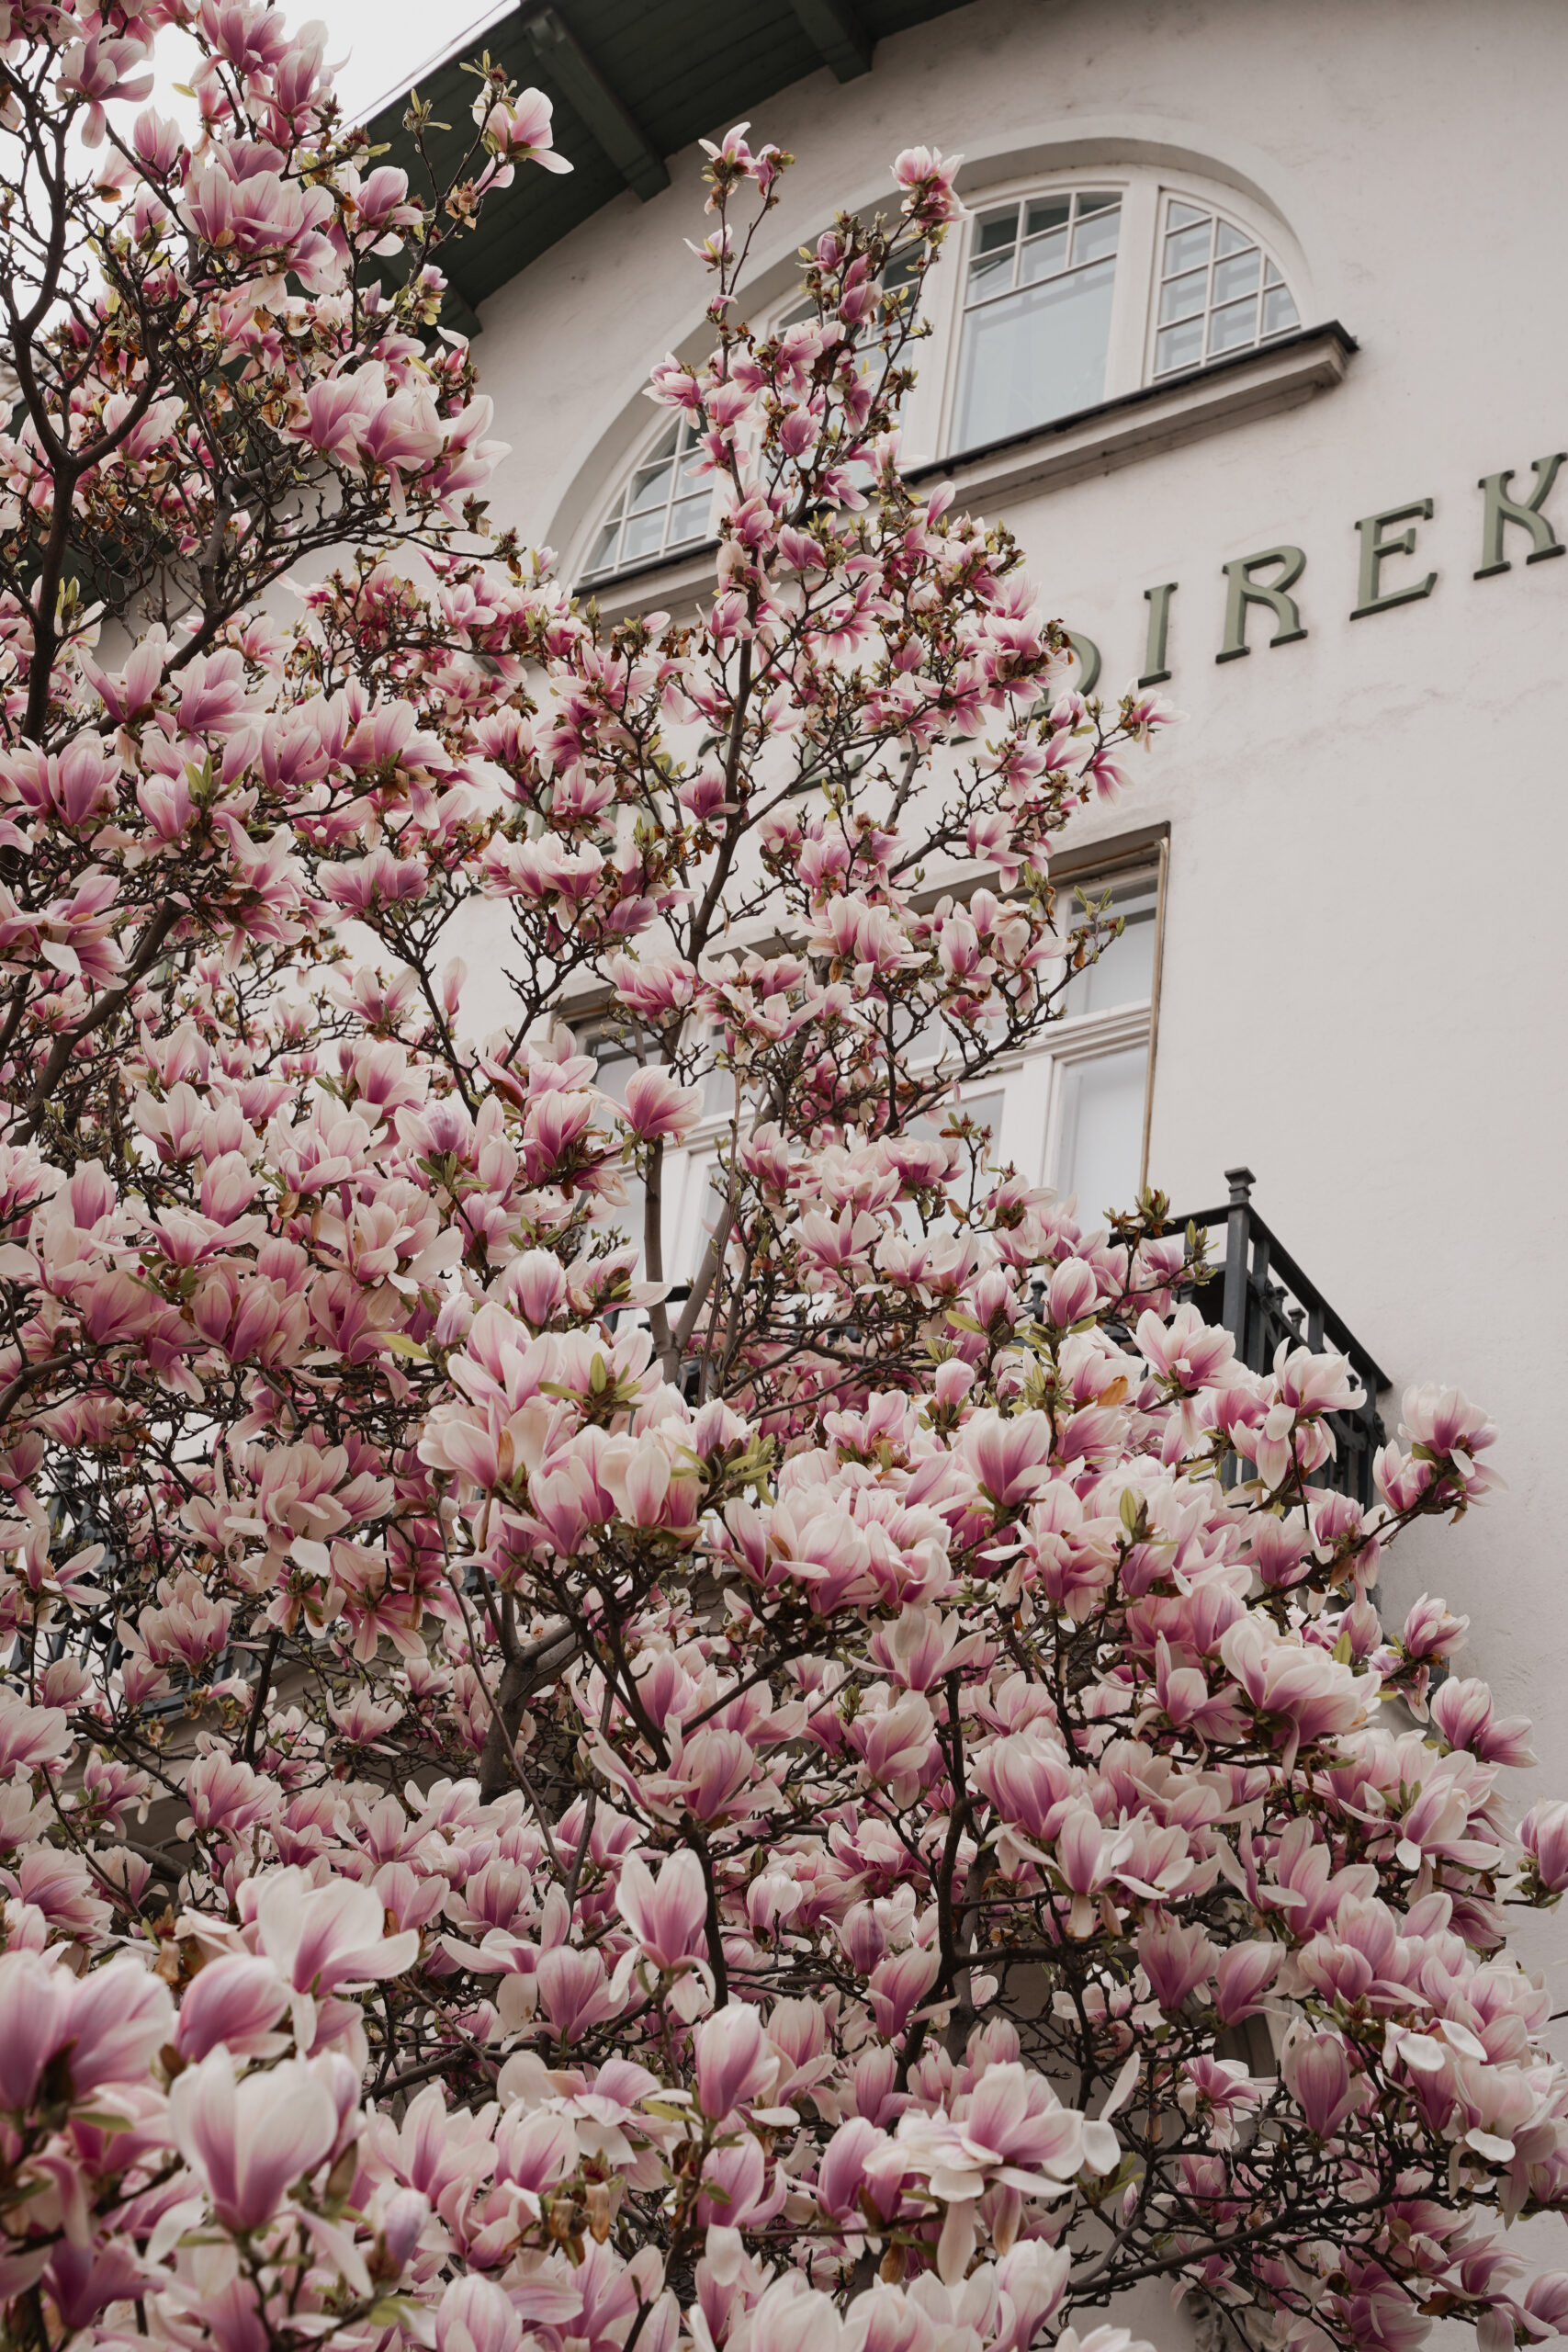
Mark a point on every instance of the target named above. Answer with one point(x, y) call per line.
point(1261, 1296)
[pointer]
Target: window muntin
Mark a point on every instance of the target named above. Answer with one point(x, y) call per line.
point(1219, 290)
point(665, 503)
point(1036, 313)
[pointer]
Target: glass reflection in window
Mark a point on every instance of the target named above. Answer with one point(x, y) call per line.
point(1100, 1135)
point(1037, 314)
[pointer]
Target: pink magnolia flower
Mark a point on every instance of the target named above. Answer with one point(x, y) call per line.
point(658, 1105)
point(1543, 1833)
point(1242, 1974)
point(104, 2027)
point(1175, 1959)
point(476, 2315)
point(1305, 1690)
point(522, 131)
point(236, 2001)
point(1462, 1712)
point(927, 177)
point(734, 2061)
point(1317, 2074)
point(667, 1915)
point(247, 2138)
point(320, 1936)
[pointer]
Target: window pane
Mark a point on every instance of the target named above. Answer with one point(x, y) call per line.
point(1187, 247)
point(985, 1110)
point(1095, 238)
point(1101, 1134)
point(688, 520)
point(1182, 215)
point(1278, 311)
point(1123, 973)
point(1097, 203)
point(1178, 347)
point(645, 536)
point(614, 1071)
point(603, 555)
point(1236, 277)
point(1182, 298)
point(1049, 212)
point(1231, 241)
point(651, 486)
point(1229, 330)
point(996, 229)
point(1039, 355)
point(1045, 257)
point(990, 274)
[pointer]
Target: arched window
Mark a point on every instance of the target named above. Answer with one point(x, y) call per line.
point(665, 503)
point(1219, 290)
point(1036, 313)
point(1072, 295)
point(1055, 297)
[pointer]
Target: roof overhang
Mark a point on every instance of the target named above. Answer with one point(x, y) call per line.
point(632, 82)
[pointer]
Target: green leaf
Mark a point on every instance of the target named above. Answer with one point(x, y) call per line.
point(401, 1344)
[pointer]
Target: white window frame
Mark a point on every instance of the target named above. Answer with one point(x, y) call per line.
point(1031, 1082)
point(1223, 215)
point(1145, 196)
point(643, 457)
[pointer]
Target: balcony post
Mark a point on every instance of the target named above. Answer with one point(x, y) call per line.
point(1238, 1234)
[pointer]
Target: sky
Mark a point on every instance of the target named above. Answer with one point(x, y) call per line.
point(388, 43)
point(378, 47)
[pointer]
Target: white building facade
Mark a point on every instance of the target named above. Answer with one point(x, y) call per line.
point(1256, 335)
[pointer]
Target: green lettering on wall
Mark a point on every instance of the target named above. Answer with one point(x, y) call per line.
point(1087, 654)
point(1159, 602)
point(1501, 509)
point(1242, 591)
point(1370, 595)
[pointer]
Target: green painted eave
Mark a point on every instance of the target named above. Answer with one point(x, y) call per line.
point(633, 81)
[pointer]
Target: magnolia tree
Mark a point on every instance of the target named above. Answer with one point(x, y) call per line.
point(867, 1804)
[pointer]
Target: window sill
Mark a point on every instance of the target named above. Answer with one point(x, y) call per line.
point(1142, 424)
point(644, 587)
point(1155, 418)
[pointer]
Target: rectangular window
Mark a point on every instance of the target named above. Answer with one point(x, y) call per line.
point(1037, 319)
point(1071, 1111)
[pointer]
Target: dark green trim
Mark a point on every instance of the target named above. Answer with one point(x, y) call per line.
point(1501, 509)
point(1159, 602)
point(1375, 550)
point(1242, 590)
point(613, 125)
point(632, 82)
point(1088, 661)
point(837, 35)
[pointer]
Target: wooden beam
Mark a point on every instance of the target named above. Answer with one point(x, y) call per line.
point(591, 97)
point(836, 34)
point(457, 313)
